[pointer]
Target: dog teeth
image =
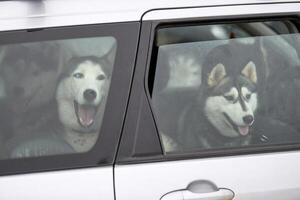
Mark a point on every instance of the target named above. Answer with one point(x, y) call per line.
point(86, 115)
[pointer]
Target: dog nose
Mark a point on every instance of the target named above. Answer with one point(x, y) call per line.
point(90, 94)
point(248, 119)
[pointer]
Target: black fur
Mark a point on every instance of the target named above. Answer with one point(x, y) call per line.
point(196, 131)
point(75, 61)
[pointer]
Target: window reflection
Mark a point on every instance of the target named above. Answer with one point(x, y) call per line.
point(53, 95)
point(229, 85)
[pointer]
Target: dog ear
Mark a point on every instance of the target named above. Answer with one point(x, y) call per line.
point(111, 54)
point(249, 72)
point(109, 59)
point(216, 75)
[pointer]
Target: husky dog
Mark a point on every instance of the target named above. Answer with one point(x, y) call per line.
point(28, 76)
point(29, 72)
point(224, 112)
point(231, 110)
point(81, 96)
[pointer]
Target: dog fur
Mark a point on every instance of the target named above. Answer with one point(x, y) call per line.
point(84, 74)
point(224, 111)
point(38, 126)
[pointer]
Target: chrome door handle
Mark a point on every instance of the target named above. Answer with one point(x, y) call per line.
point(221, 194)
point(200, 190)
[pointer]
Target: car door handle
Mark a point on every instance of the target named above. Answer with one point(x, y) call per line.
point(200, 190)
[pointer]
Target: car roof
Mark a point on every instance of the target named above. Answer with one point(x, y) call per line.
point(51, 13)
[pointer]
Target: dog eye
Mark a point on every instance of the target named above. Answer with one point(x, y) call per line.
point(229, 97)
point(78, 75)
point(101, 77)
point(248, 96)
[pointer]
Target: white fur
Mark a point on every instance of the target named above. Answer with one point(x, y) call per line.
point(169, 144)
point(233, 92)
point(249, 71)
point(70, 89)
point(216, 75)
point(185, 71)
point(81, 142)
point(217, 105)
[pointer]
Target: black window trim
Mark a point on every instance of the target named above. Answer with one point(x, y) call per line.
point(104, 151)
point(127, 158)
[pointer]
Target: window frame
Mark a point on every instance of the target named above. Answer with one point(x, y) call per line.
point(104, 151)
point(126, 157)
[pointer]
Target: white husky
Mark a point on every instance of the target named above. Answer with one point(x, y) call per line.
point(81, 96)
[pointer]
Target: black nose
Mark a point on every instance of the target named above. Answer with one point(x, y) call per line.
point(248, 119)
point(90, 94)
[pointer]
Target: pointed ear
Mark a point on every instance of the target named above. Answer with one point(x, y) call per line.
point(216, 75)
point(110, 55)
point(249, 72)
point(109, 59)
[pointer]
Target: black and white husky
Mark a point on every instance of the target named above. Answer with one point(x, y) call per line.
point(81, 96)
point(224, 113)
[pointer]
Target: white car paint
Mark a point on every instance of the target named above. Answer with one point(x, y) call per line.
point(269, 176)
point(16, 15)
point(220, 11)
point(252, 177)
point(79, 184)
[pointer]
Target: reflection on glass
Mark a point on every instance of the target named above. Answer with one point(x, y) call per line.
point(53, 95)
point(227, 92)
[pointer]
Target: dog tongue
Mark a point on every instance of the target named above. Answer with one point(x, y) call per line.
point(244, 130)
point(86, 115)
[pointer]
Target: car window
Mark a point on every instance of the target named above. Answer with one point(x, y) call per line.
point(226, 86)
point(53, 95)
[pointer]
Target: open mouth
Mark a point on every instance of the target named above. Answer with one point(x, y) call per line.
point(85, 114)
point(242, 130)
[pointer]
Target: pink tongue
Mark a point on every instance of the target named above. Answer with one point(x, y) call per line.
point(244, 130)
point(86, 115)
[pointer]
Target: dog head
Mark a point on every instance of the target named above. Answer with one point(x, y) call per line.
point(81, 93)
point(231, 97)
point(29, 73)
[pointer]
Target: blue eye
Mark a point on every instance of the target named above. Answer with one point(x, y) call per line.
point(78, 75)
point(229, 97)
point(101, 77)
point(248, 96)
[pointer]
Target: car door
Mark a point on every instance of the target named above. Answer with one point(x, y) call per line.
point(213, 110)
point(63, 97)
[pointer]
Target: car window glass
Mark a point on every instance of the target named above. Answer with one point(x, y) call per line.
point(226, 85)
point(53, 95)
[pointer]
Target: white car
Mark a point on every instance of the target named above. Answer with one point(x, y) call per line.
point(142, 100)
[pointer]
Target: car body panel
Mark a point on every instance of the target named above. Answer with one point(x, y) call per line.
point(88, 183)
point(83, 175)
point(219, 11)
point(257, 176)
point(261, 176)
point(264, 176)
point(16, 15)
